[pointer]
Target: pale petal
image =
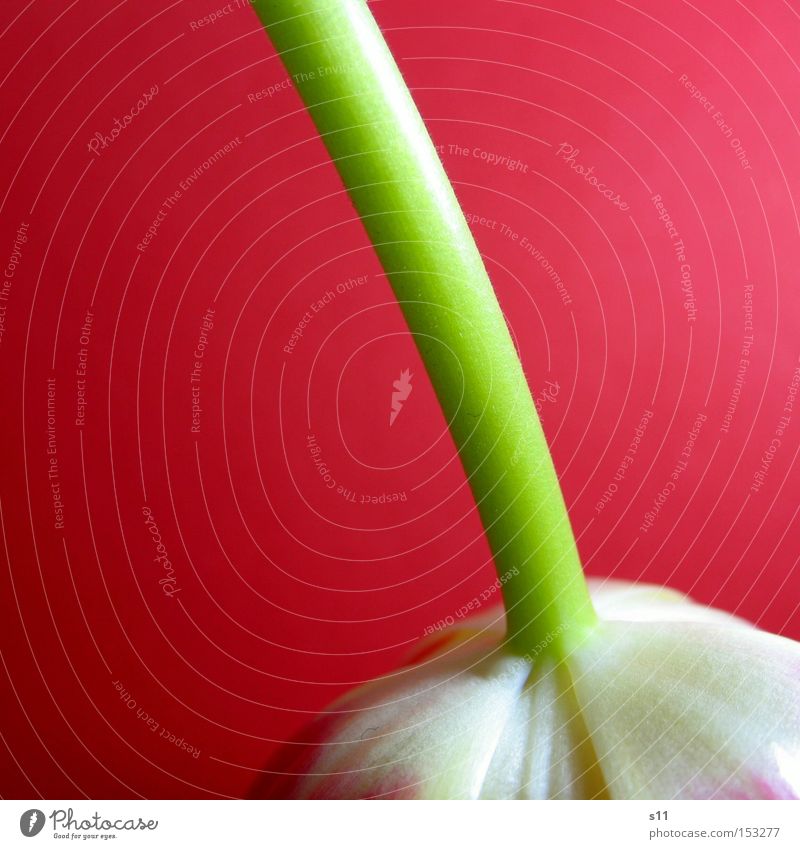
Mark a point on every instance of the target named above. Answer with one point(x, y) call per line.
point(638, 602)
point(544, 751)
point(691, 710)
point(430, 732)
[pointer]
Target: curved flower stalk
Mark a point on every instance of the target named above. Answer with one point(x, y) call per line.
point(624, 692)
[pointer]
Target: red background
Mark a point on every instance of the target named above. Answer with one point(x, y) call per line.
point(287, 592)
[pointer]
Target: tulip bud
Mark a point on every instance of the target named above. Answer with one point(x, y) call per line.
point(663, 699)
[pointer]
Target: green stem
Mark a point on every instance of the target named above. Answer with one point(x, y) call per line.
point(361, 106)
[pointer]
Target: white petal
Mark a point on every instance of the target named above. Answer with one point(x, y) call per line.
point(430, 731)
point(544, 751)
point(637, 602)
point(691, 710)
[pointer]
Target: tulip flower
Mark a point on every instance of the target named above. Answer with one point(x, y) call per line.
point(664, 699)
point(572, 690)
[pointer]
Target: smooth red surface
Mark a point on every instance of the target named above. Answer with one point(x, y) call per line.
point(287, 592)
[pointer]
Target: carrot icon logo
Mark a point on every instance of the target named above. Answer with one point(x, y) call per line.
point(402, 387)
point(31, 822)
